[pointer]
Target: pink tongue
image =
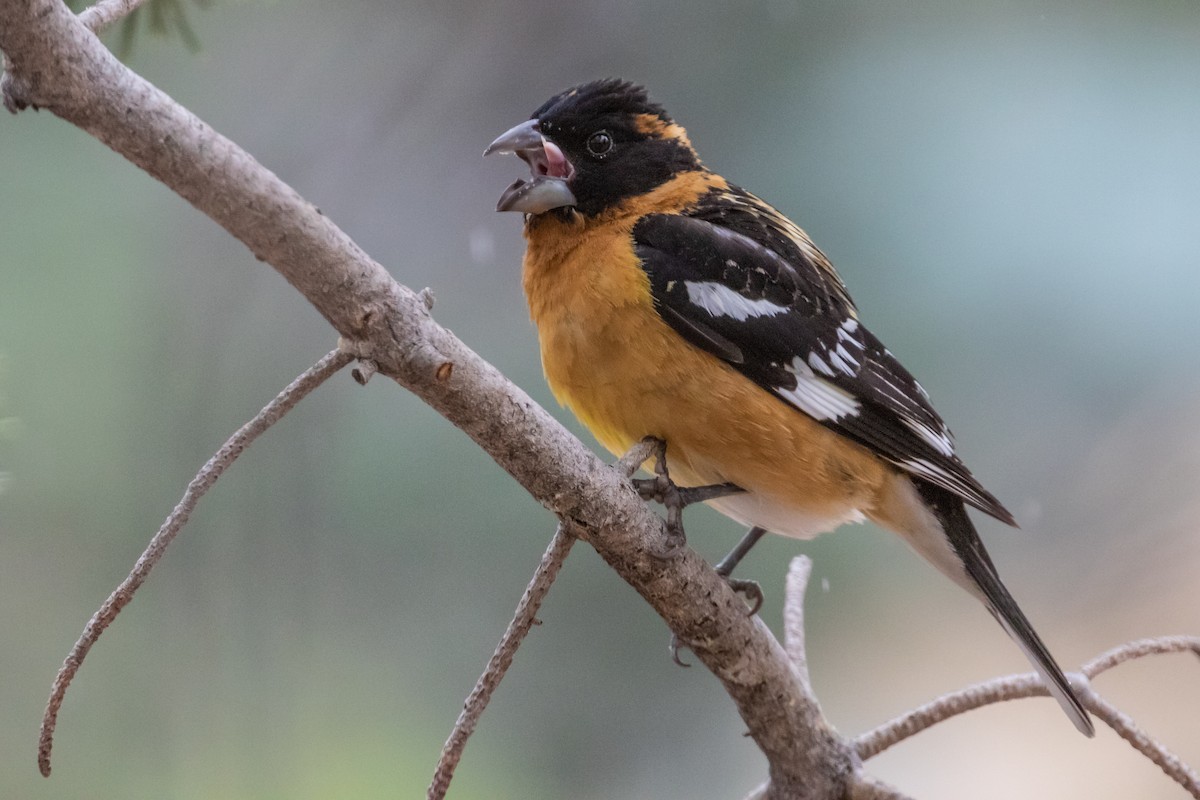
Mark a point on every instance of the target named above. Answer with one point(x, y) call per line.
point(556, 163)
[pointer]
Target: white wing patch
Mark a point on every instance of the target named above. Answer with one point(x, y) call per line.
point(816, 362)
point(817, 397)
point(845, 355)
point(721, 301)
point(940, 476)
point(841, 358)
point(938, 439)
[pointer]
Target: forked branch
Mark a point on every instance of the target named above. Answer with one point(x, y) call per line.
point(1012, 687)
point(1016, 687)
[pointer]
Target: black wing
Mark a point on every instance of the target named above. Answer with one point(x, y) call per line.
point(738, 279)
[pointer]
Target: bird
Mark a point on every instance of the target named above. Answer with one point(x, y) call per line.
point(672, 303)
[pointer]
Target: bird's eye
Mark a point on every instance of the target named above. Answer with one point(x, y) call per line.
point(599, 143)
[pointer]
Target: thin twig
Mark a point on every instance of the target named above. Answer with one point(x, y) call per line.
point(1138, 649)
point(1016, 687)
point(1012, 687)
point(859, 785)
point(522, 621)
point(313, 377)
point(793, 617)
point(498, 664)
point(99, 16)
point(1125, 727)
point(629, 463)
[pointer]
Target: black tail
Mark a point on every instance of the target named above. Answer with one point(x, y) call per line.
point(951, 512)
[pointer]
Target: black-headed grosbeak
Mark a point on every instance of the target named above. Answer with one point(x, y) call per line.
point(671, 303)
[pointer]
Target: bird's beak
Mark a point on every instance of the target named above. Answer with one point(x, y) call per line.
point(551, 171)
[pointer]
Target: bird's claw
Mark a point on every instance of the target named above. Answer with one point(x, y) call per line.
point(676, 542)
point(748, 589)
point(677, 643)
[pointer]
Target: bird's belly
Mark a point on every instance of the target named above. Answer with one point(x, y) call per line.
point(800, 498)
point(786, 519)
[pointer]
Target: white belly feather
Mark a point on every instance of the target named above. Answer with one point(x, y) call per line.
point(756, 509)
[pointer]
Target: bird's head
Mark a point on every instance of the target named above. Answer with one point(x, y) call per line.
point(591, 147)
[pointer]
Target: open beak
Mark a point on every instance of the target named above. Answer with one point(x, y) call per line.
point(550, 171)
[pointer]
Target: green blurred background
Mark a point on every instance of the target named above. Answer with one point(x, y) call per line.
point(1012, 192)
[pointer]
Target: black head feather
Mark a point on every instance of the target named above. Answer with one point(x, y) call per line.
point(647, 147)
point(598, 100)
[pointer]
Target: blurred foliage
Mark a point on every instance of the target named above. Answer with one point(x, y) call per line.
point(162, 17)
point(159, 17)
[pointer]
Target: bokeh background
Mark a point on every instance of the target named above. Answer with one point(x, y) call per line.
point(1012, 192)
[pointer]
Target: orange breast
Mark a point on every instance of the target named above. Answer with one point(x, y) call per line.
point(626, 374)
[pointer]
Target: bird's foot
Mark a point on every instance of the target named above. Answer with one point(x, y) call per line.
point(750, 589)
point(674, 498)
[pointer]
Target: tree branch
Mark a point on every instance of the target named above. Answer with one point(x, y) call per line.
point(1016, 687)
point(1138, 649)
point(1139, 740)
point(867, 788)
point(1013, 687)
point(798, 574)
point(861, 786)
point(213, 469)
point(58, 65)
point(99, 16)
point(1010, 688)
point(498, 664)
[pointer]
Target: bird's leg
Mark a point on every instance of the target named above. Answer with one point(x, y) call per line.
point(674, 498)
point(662, 489)
point(726, 565)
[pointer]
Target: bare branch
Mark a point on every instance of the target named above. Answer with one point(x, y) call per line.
point(1013, 687)
point(1142, 647)
point(499, 663)
point(296, 391)
point(861, 786)
point(522, 622)
point(364, 372)
point(99, 16)
point(629, 463)
point(793, 617)
point(1125, 727)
